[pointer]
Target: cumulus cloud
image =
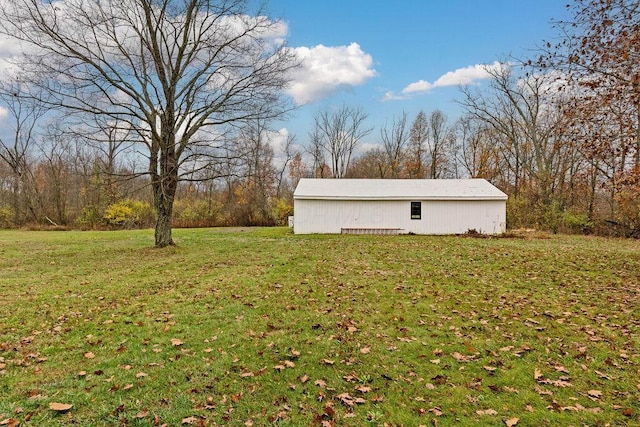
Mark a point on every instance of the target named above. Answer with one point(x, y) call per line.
point(460, 77)
point(325, 70)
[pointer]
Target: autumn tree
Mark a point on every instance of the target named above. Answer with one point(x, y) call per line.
point(175, 72)
point(599, 52)
point(598, 56)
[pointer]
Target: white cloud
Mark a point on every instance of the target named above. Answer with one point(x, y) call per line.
point(461, 76)
point(325, 70)
point(390, 96)
point(3, 113)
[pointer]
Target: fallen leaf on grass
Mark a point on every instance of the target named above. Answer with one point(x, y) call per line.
point(436, 411)
point(176, 342)
point(89, 355)
point(511, 422)
point(60, 407)
point(363, 389)
point(461, 358)
point(141, 375)
point(486, 412)
point(365, 350)
point(142, 414)
point(596, 394)
point(189, 420)
point(10, 422)
point(489, 368)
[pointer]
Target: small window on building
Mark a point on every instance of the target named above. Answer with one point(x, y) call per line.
point(416, 210)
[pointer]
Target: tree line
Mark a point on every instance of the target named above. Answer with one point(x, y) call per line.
point(164, 116)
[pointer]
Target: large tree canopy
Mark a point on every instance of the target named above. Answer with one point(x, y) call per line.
point(173, 75)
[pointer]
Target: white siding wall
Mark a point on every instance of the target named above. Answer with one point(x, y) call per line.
point(438, 217)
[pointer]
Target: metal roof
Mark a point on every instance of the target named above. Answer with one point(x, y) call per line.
point(397, 189)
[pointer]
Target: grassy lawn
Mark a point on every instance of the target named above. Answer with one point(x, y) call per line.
point(253, 327)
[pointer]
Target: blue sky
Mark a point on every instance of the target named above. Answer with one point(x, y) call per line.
point(407, 42)
point(392, 56)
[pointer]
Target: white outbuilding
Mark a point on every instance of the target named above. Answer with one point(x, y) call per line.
point(398, 206)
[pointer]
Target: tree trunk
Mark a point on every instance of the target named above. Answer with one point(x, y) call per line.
point(164, 182)
point(163, 211)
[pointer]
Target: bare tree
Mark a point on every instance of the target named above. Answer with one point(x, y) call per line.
point(418, 135)
point(16, 150)
point(394, 141)
point(523, 113)
point(339, 132)
point(477, 153)
point(439, 144)
point(176, 72)
point(288, 154)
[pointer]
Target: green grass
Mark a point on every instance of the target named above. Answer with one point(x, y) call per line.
point(270, 328)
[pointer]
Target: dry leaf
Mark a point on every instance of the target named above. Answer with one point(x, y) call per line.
point(189, 420)
point(486, 412)
point(365, 350)
point(60, 407)
point(10, 422)
point(176, 342)
point(511, 422)
point(363, 389)
point(596, 394)
point(89, 355)
point(537, 374)
point(141, 375)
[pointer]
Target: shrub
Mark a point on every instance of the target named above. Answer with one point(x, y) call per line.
point(128, 213)
point(196, 213)
point(6, 213)
point(576, 223)
point(91, 217)
point(282, 210)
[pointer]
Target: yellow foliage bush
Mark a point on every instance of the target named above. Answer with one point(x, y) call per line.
point(128, 213)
